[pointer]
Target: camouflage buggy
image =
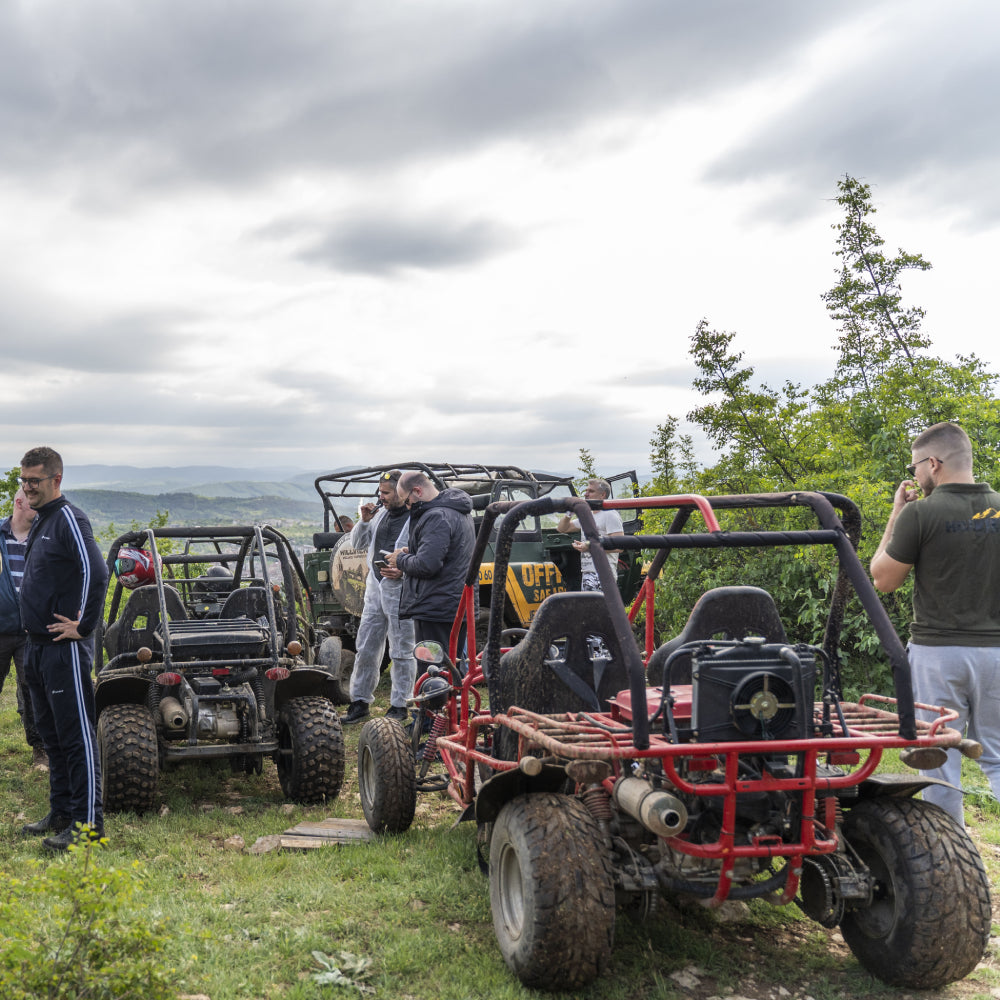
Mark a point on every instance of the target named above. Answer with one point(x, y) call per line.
point(542, 561)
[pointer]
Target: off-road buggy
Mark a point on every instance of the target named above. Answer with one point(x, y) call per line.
point(207, 664)
point(541, 562)
point(740, 772)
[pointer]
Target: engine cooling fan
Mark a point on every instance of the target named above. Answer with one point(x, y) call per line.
point(763, 707)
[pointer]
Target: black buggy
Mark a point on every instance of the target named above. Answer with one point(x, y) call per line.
point(207, 663)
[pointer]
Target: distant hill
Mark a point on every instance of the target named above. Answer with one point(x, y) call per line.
point(121, 508)
point(201, 480)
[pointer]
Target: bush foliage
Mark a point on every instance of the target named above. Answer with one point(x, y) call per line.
point(71, 930)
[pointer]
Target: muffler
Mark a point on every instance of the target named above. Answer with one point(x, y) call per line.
point(172, 711)
point(659, 811)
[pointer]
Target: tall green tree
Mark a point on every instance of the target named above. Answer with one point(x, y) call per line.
point(588, 470)
point(671, 459)
point(849, 434)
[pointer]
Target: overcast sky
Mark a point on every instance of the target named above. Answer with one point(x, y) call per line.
point(312, 234)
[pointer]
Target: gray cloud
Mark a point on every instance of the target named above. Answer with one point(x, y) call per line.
point(45, 340)
point(193, 92)
point(921, 107)
point(382, 243)
point(190, 94)
point(677, 377)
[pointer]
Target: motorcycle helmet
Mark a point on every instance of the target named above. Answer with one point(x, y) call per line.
point(134, 568)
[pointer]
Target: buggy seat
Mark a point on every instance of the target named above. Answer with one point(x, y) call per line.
point(554, 667)
point(721, 613)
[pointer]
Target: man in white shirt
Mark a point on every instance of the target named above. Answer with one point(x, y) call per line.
point(608, 522)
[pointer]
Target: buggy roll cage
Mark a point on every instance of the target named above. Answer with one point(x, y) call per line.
point(842, 533)
point(362, 483)
point(251, 542)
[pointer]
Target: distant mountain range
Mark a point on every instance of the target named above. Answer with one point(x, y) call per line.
point(197, 494)
point(120, 508)
point(200, 480)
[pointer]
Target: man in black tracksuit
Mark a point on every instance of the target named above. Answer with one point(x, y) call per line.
point(436, 558)
point(62, 594)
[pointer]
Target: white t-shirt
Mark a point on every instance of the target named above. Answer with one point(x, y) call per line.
point(608, 522)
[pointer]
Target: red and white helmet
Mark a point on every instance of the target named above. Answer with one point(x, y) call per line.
point(134, 568)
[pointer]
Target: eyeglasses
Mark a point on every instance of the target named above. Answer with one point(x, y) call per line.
point(912, 469)
point(408, 501)
point(32, 483)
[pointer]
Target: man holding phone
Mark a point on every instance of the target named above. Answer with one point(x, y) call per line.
point(383, 526)
point(950, 538)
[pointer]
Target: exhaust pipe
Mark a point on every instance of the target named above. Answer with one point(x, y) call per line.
point(172, 711)
point(659, 811)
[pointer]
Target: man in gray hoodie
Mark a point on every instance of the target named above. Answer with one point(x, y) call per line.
point(437, 557)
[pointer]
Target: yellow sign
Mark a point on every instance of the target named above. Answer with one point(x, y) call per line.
point(528, 584)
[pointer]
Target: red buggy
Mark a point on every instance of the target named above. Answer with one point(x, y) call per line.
point(723, 764)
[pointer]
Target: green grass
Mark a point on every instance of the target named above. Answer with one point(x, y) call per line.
point(244, 927)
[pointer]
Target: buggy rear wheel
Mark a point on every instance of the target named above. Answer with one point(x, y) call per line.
point(928, 923)
point(130, 758)
point(339, 664)
point(386, 776)
point(311, 756)
point(551, 891)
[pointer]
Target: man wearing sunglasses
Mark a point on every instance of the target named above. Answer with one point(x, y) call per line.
point(62, 599)
point(950, 538)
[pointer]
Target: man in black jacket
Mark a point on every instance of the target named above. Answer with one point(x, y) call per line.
point(62, 594)
point(437, 557)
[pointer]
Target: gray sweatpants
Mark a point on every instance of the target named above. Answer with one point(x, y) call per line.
point(379, 621)
point(966, 679)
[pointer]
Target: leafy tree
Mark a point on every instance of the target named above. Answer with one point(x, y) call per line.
point(886, 387)
point(762, 427)
point(8, 487)
point(159, 520)
point(850, 434)
point(671, 459)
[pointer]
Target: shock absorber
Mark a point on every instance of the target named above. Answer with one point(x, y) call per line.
point(598, 803)
point(438, 727)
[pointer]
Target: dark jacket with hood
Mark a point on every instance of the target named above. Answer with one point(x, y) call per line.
point(441, 543)
point(64, 571)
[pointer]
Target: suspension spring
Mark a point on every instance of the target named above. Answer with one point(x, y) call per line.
point(438, 727)
point(598, 803)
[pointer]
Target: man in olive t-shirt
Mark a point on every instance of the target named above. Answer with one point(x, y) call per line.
point(950, 538)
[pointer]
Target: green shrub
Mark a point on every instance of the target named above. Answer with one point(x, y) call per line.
point(72, 929)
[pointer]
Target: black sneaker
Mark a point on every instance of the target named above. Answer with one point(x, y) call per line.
point(75, 834)
point(397, 713)
point(356, 711)
point(53, 823)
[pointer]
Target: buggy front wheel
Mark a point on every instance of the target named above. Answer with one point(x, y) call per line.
point(551, 891)
point(928, 922)
point(386, 776)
